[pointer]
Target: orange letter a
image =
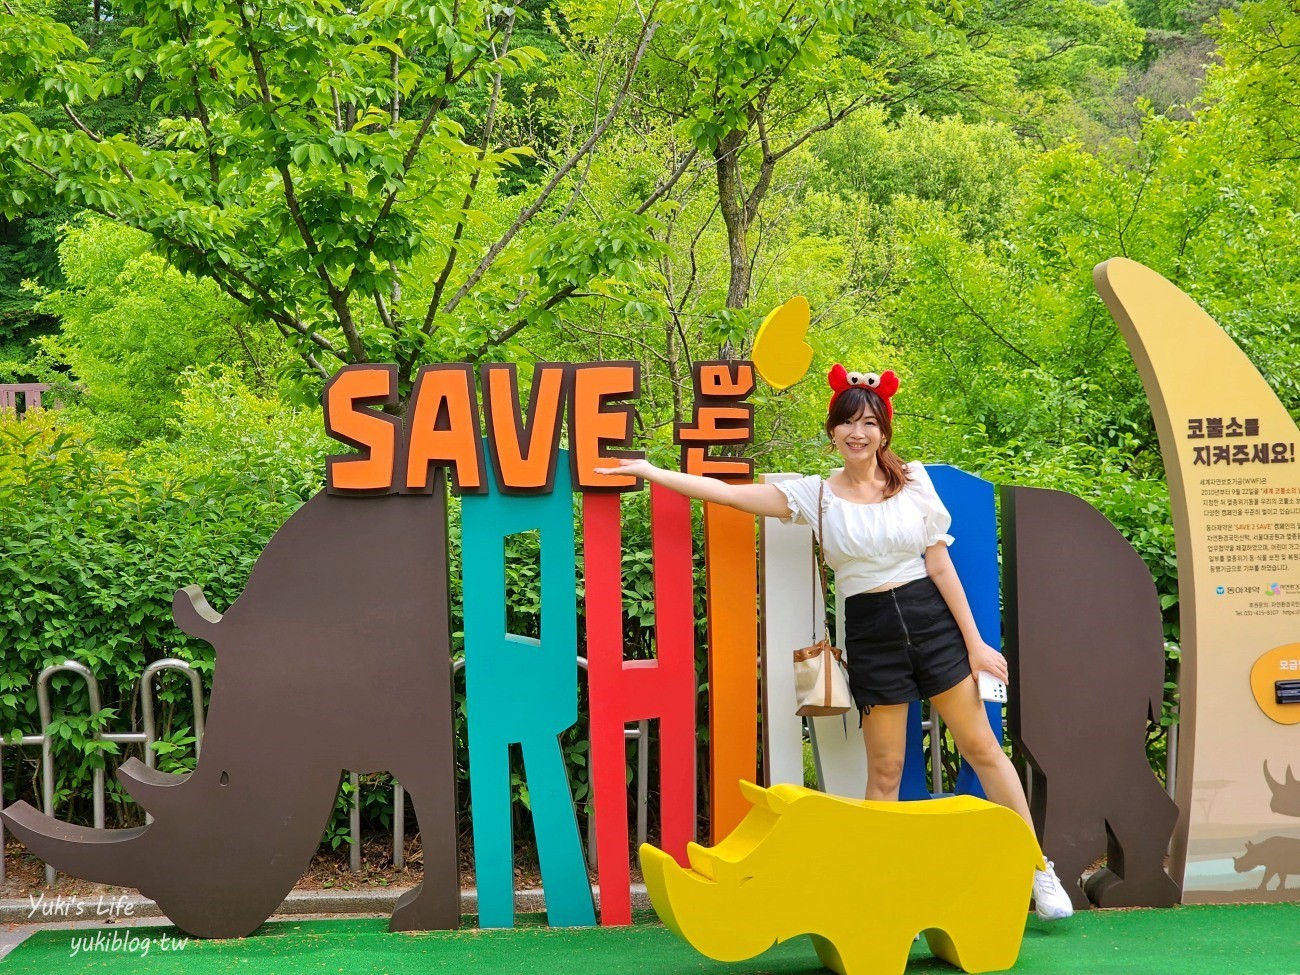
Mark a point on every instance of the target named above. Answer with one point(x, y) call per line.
point(443, 429)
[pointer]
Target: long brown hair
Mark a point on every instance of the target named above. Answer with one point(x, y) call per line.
point(855, 400)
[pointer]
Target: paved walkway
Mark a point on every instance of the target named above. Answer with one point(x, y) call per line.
point(19, 918)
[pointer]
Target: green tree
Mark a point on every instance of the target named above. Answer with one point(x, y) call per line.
point(748, 82)
point(26, 256)
point(311, 161)
point(1018, 342)
point(1260, 46)
point(28, 241)
point(780, 118)
point(131, 324)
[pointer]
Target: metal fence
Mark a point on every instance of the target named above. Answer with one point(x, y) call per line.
point(147, 735)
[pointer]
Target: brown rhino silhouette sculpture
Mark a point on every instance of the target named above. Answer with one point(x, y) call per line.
point(1286, 798)
point(335, 656)
point(1086, 651)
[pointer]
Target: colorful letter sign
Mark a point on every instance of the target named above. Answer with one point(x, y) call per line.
point(351, 596)
point(523, 691)
point(623, 691)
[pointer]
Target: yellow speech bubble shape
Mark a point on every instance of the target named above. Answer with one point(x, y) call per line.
point(1280, 663)
point(780, 354)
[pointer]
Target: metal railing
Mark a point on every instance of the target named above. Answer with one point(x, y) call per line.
point(147, 735)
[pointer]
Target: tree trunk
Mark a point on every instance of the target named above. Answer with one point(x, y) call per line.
point(731, 201)
point(674, 366)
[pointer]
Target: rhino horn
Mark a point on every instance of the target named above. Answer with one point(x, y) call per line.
point(654, 868)
point(714, 865)
point(105, 856)
point(194, 614)
point(701, 859)
point(156, 791)
point(1290, 776)
point(767, 799)
point(1273, 783)
point(709, 916)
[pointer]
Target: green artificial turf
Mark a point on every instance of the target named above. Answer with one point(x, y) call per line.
point(1259, 939)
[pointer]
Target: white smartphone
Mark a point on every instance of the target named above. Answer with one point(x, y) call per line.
point(992, 689)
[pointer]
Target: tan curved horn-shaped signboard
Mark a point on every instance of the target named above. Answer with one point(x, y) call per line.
point(1229, 451)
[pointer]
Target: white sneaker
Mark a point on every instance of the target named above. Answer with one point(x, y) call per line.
point(1051, 902)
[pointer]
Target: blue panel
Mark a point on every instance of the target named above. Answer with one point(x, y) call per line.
point(524, 691)
point(969, 499)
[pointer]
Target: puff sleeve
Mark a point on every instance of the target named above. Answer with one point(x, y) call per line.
point(801, 496)
point(937, 519)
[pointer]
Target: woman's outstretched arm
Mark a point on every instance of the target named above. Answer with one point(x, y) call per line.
point(757, 499)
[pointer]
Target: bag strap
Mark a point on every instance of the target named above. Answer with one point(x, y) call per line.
point(819, 563)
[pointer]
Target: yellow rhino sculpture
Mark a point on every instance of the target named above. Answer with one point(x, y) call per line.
point(861, 877)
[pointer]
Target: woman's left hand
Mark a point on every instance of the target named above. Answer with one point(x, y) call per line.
point(984, 657)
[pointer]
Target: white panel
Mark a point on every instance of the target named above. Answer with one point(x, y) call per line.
point(790, 606)
point(840, 753)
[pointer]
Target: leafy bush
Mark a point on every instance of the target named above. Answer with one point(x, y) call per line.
point(98, 541)
point(130, 323)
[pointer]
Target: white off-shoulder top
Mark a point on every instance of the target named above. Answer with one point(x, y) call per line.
point(869, 545)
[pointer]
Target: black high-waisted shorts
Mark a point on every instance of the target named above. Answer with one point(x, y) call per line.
point(902, 645)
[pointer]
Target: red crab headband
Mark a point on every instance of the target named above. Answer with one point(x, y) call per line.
point(884, 385)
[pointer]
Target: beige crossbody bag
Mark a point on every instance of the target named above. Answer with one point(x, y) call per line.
point(821, 683)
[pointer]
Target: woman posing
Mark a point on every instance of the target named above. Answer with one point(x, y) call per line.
point(909, 631)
